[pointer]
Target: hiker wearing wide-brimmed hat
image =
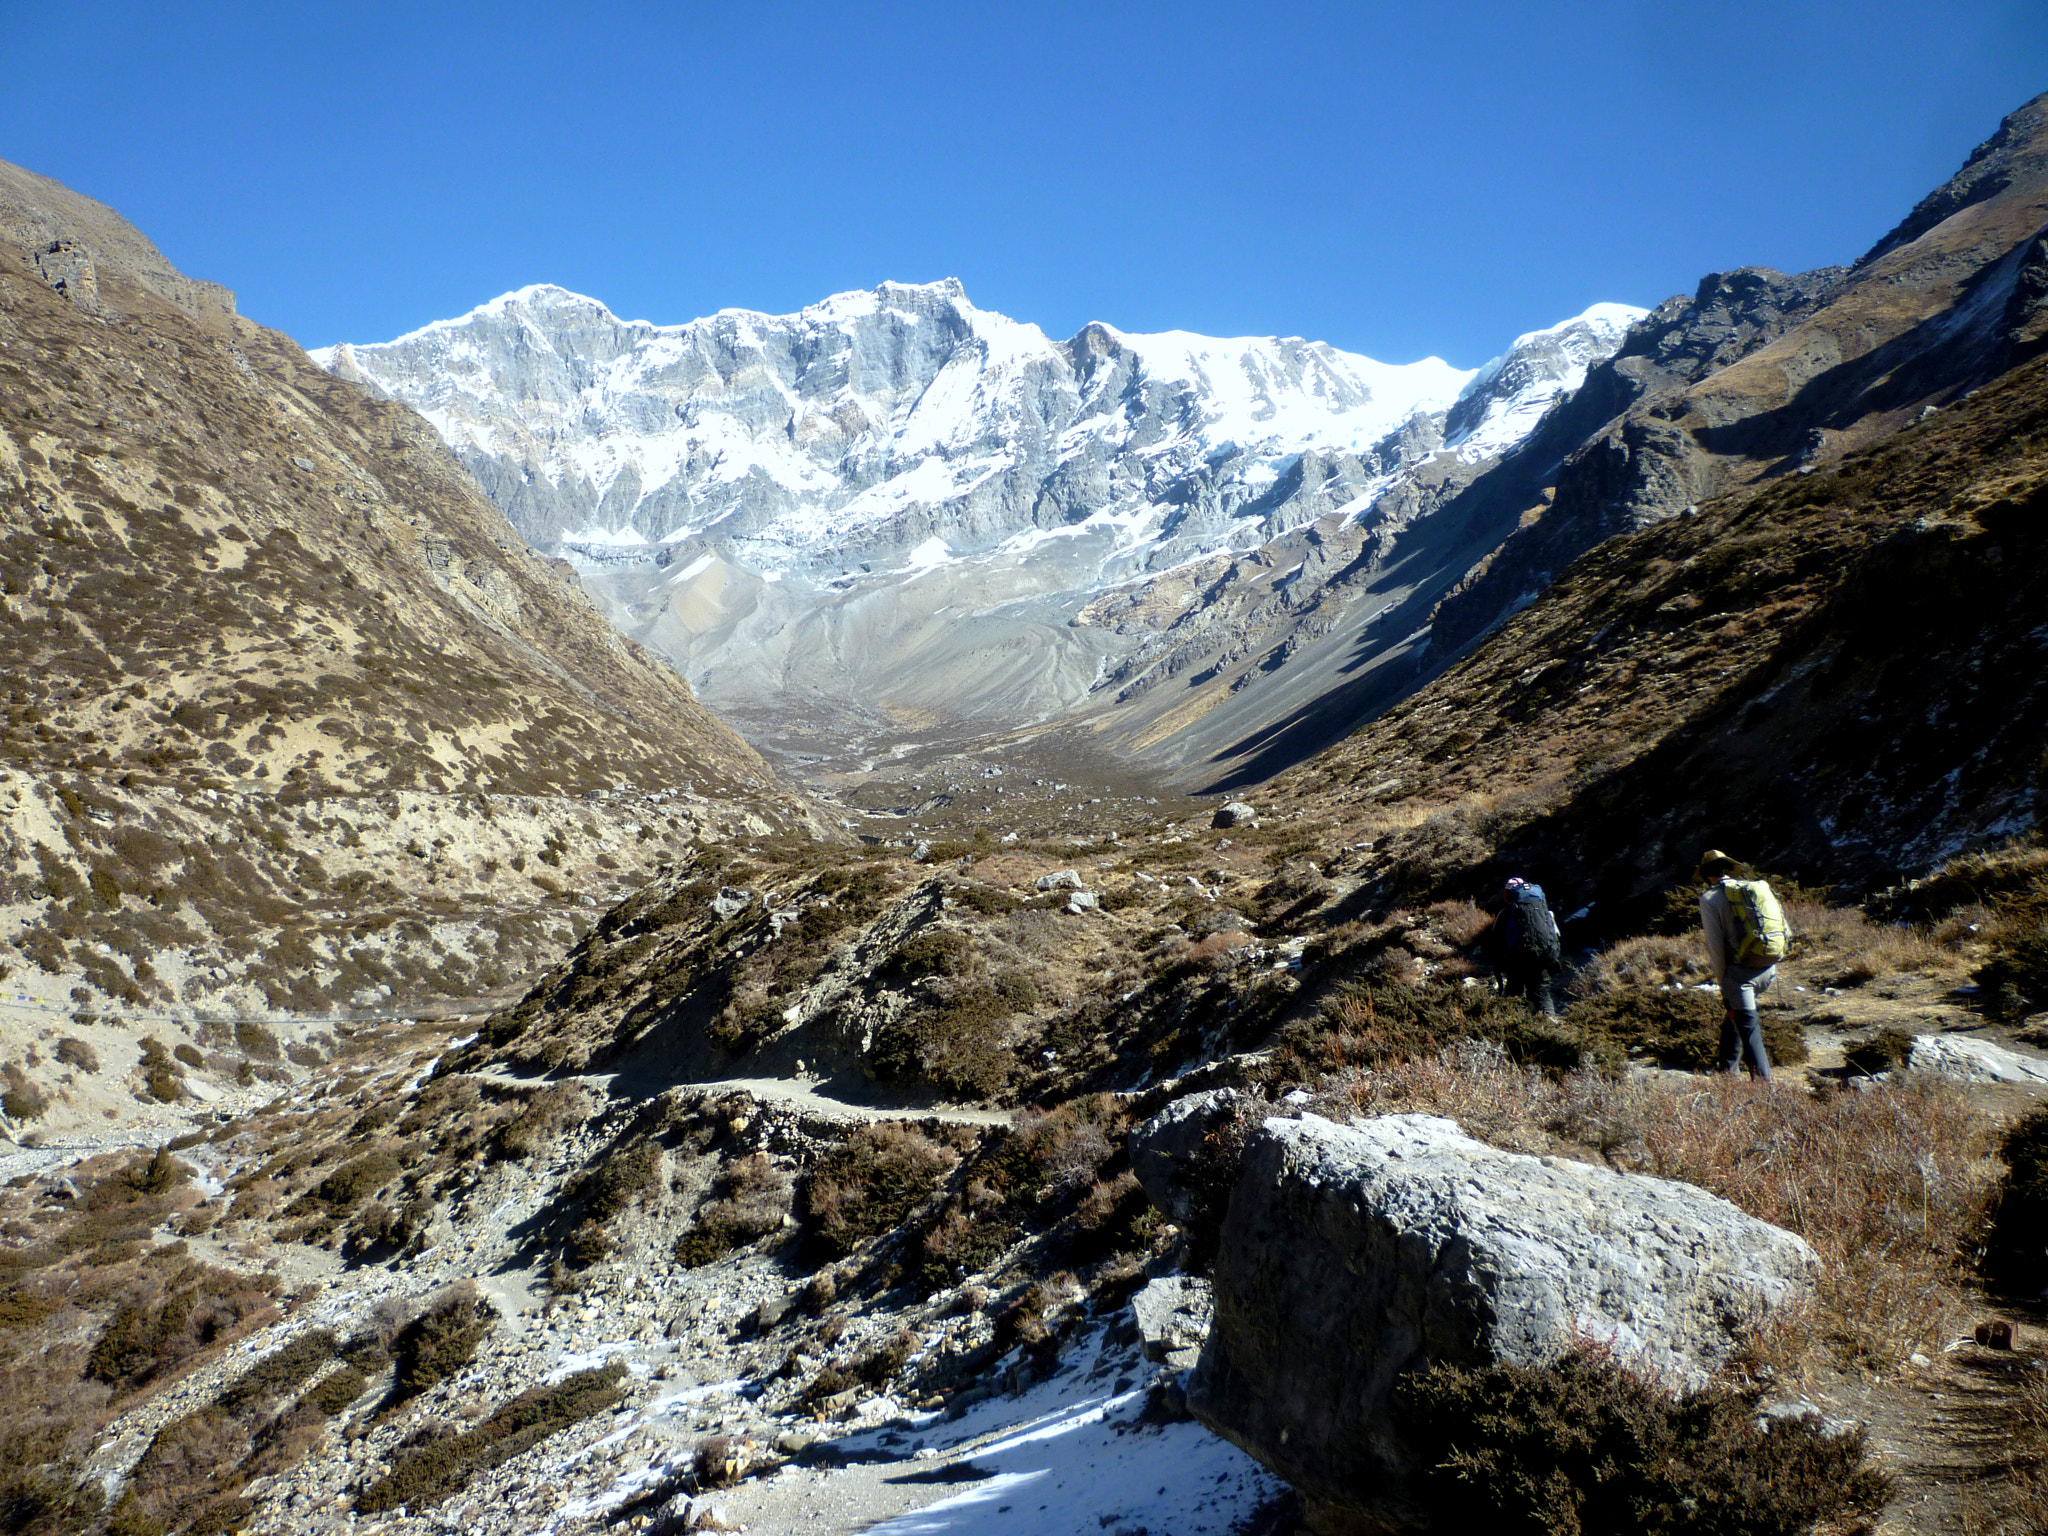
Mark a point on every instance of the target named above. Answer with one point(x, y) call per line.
point(1746, 937)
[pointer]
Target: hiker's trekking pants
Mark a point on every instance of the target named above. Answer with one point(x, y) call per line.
point(1530, 981)
point(1743, 1032)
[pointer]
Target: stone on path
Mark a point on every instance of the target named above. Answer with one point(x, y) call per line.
point(1353, 1254)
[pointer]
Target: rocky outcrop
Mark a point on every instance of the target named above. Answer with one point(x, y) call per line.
point(1760, 374)
point(1964, 1060)
point(1168, 1152)
point(1354, 1254)
point(1172, 1315)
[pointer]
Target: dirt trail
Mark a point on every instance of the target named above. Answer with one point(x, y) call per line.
point(803, 1093)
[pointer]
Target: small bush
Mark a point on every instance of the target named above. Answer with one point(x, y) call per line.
point(188, 1054)
point(162, 1173)
point(2018, 1250)
point(1678, 1028)
point(955, 1046)
point(1582, 1448)
point(254, 1040)
point(78, 1053)
point(588, 1244)
point(1885, 1051)
point(753, 1199)
point(21, 1098)
point(443, 1339)
point(279, 1373)
point(431, 1473)
point(624, 1178)
point(868, 1185)
point(986, 900)
point(360, 1176)
point(539, 1120)
point(336, 1391)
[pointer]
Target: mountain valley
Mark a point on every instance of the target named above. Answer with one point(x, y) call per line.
point(613, 927)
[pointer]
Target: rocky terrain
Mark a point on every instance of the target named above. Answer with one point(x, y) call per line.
point(294, 727)
point(1015, 1145)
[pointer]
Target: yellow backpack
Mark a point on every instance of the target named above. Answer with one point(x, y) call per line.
point(1766, 936)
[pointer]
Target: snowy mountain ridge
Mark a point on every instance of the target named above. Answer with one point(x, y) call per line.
point(896, 497)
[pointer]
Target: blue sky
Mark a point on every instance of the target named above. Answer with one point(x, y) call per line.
point(1400, 180)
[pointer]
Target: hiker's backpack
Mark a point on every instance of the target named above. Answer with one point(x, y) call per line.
point(1531, 930)
point(1765, 935)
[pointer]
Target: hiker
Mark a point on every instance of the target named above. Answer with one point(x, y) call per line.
point(1526, 948)
point(1746, 937)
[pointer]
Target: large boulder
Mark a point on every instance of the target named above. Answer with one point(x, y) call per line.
point(1354, 1254)
point(1174, 1156)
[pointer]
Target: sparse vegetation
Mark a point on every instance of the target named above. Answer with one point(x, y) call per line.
point(871, 1183)
point(1582, 1448)
point(442, 1339)
point(429, 1474)
point(753, 1197)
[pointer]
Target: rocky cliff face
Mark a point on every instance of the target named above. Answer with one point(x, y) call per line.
point(1759, 373)
point(897, 497)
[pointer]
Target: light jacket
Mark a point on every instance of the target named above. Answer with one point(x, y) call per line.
point(1722, 929)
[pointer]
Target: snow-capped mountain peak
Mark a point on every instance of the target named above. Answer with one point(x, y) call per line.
point(1507, 397)
point(888, 455)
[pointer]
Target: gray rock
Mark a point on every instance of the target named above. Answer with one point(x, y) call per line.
point(1354, 1254)
point(1083, 901)
point(1237, 813)
point(1166, 1149)
point(1060, 880)
point(1173, 1315)
point(1963, 1060)
point(730, 902)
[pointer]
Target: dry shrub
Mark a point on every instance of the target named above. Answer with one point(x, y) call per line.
point(624, 1178)
point(1847, 948)
point(21, 1098)
point(1651, 960)
point(1380, 1024)
point(2018, 1249)
point(752, 1199)
point(432, 1472)
point(1680, 1028)
point(78, 1053)
point(1583, 1448)
point(869, 1184)
point(542, 1117)
point(1891, 1186)
point(1461, 923)
point(442, 1339)
point(1068, 1146)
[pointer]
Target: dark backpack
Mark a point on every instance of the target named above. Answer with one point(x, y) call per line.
point(1530, 932)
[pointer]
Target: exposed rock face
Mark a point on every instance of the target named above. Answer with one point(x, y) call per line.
point(1173, 1314)
point(1168, 1147)
point(71, 236)
point(895, 497)
point(1973, 1061)
point(1759, 373)
point(1354, 1254)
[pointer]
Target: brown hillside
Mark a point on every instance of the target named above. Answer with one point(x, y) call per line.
point(1841, 674)
point(279, 685)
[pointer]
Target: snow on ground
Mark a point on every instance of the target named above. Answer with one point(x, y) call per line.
point(1067, 1456)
